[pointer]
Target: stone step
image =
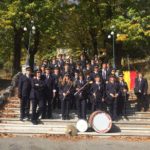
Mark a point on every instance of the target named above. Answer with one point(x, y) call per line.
point(94, 134)
point(48, 129)
point(72, 121)
point(64, 125)
point(73, 115)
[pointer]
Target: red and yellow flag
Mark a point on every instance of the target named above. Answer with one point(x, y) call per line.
point(129, 77)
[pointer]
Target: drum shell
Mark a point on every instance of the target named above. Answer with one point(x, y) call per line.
point(91, 121)
point(84, 122)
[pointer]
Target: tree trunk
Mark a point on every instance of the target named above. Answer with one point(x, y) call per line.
point(34, 50)
point(119, 54)
point(94, 41)
point(31, 60)
point(17, 50)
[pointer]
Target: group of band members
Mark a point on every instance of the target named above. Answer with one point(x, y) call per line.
point(82, 86)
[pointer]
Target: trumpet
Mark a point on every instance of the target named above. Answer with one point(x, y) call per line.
point(90, 82)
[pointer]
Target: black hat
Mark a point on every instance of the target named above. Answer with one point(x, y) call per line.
point(56, 68)
point(76, 71)
point(38, 71)
point(97, 76)
point(113, 69)
point(96, 66)
point(47, 68)
point(67, 74)
point(121, 75)
point(81, 74)
point(112, 76)
point(88, 72)
point(43, 65)
point(28, 68)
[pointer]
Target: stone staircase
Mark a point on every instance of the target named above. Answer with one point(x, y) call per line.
point(134, 124)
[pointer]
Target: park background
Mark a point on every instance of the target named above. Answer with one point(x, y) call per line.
point(43, 27)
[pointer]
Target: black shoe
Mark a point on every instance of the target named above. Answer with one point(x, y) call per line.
point(67, 118)
point(21, 119)
point(63, 118)
point(34, 122)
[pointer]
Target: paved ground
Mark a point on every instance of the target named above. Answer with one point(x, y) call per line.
point(24, 143)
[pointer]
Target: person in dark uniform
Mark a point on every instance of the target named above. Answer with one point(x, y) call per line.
point(50, 89)
point(87, 69)
point(24, 90)
point(74, 79)
point(82, 61)
point(43, 70)
point(97, 92)
point(105, 73)
point(60, 61)
point(81, 96)
point(65, 70)
point(92, 64)
point(123, 96)
point(78, 67)
point(112, 93)
point(65, 92)
point(56, 76)
point(37, 96)
point(88, 79)
point(95, 72)
point(53, 63)
point(141, 87)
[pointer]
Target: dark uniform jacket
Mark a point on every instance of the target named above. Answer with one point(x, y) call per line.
point(24, 87)
point(38, 89)
point(83, 93)
point(141, 86)
point(122, 85)
point(99, 91)
point(50, 86)
point(111, 88)
point(64, 89)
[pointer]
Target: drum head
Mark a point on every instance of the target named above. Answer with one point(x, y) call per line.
point(82, 125)
point(100, 121)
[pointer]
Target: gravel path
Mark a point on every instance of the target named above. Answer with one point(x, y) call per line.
point(25, 143)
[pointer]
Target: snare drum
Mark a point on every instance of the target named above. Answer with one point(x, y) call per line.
point(100, 121)
point(82, 125)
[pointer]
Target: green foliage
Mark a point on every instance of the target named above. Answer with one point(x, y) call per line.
point(83, 27)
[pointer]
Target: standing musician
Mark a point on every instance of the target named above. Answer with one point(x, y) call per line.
point(112, 93)
point(141, 87)
point(37, 96)
point(95, 72)
point(97, 93)
point(105, 73)
point(81, 96)
point(123, 96)
point(24, 90)
point(65, 94)
point(49, 93)
point(56, 76)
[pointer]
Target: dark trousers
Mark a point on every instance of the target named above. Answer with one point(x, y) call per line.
point(120, 105)
point(47, 108)
point(113, 108)
point(81, 108)
point(65, 108)
point(97, 106)
point(37, 103)
point(56, 101)
point(73, 102)
point(142, 102)
point(24, 107)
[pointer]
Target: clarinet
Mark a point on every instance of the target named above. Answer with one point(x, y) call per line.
point(67, 91)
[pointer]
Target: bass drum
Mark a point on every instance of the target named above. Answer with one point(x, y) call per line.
point(82, 125)
point(100, 121)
